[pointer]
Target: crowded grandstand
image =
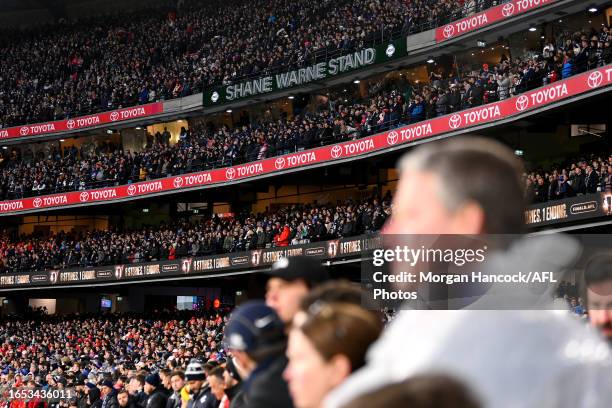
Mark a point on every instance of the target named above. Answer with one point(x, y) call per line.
point(195, 196)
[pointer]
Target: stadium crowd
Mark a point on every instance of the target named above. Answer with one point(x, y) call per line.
point(84, 351)
point(103, 63)
point(574, 177)
point(288, 226)
point(390, 104)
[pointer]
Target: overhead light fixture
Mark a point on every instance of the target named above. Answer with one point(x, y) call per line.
point(592, 9)
point(481, 43)
point(4, 147)
point(109, 131)
point(519, 152)
point(292, 97)
point(542, 37)
point(229, 111)
point(532, 29)
point(145, 210)
point(138, 128)
point(356, 81)
point(430, 60)
point(344, 90)
point(180, 121)
point(62, 140)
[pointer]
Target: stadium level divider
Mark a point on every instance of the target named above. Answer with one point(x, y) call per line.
point(253, 261)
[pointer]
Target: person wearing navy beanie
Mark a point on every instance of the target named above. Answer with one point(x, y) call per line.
point(157, 398)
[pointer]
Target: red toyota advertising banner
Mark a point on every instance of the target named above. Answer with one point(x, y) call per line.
point(82, 122)
point(487, 17)
point(589, 81)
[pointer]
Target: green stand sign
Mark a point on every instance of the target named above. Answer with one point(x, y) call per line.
point(292, 79)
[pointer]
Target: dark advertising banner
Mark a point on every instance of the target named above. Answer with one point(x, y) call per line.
point(339, 65)
point(215, 264)
point(570, 209)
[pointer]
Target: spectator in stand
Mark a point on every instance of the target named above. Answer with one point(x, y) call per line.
point(290, 280)
point(598, 280)
point(216, 379)
point(177, 380)
point(439, 174)
point(124, 400)
point(109, 395)
point(156, 395)
point(591, 180)
point(422, 391)
point(326, 348)
point(234, 385)
point(255, 336)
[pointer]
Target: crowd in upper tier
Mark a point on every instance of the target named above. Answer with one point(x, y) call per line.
point(390, 103)
point(74, 68)
point(290, 225)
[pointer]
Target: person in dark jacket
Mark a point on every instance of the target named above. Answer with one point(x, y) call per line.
point(177, 381)
point(110, 395)
point(233, 382)
point(591, 180)
point(198, 387)
point(93, 398)
point(81, 395)
point(125, 400)
point(154, 389)
point(577, 179)
point(256, 337)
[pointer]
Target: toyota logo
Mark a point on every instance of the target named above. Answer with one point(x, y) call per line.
point(448, 31)
point(178, 182)
point(84, 196)
point(392, 138)
point(521, 103)
point(390, 50)
point(114, 116)
point(508, 9)
point(454, 121)
point(230, 173)
point(279, 163)
point(70, 124)
point(37, 202)
point(595, 79)
point(336, 152)
point(24, 130)
point(131, 189)
point(214, 97)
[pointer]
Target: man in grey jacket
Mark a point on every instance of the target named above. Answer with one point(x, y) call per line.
point(510, 358)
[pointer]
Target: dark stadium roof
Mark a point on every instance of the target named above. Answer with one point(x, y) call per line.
point(14, 5)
